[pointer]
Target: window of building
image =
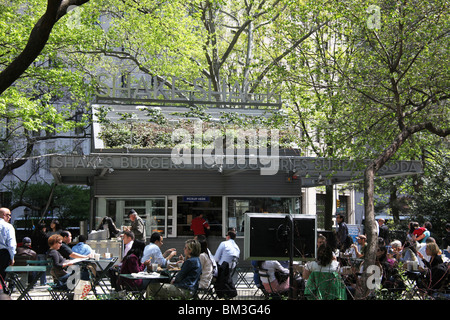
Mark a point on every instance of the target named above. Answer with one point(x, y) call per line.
point(151, 210)
point(189, 207)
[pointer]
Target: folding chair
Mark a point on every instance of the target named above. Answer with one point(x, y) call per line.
point(242, 277)
point(263, 274)
point(208, 293)
point(60, 293)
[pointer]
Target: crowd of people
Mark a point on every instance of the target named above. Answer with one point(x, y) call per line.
point(419, 253)
point(198, 265)
point(418, 256)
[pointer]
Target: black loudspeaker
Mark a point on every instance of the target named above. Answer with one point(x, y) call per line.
point(268, 236)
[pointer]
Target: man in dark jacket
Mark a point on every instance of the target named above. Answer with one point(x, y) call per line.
point(342, 231)
point(24, 253)
point(384, 231)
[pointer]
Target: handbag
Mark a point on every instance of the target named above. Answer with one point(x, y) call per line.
point(281, 276)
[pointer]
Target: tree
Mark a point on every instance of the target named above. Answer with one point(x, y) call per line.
point(40, 98)
point(66, 202)
point(225, 41)
point(398, 84)
point(374, 86)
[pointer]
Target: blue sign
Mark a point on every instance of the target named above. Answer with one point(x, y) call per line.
point(196, 198)
point(354, 230)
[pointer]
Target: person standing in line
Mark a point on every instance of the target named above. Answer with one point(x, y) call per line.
point(361, 251)
point(8, 243)
point(137, 225)
point(384, 230)
point(422, 238)
point(207, 263)
point(342, 231)
point(199, 225)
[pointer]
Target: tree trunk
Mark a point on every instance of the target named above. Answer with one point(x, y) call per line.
point(367, 284)
point(328, 218)
point(371, 231)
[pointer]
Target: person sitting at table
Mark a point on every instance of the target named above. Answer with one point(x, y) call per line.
point(153, 251)
point(436, 269)
point(362, 245)
point(128, 240)
point(423, 251)
point(81, 247)
point(185, 283)
point(66, 251)
point(322, 280)
point(325, 262)
point(207, 264)
point(131, 263)
point(59, 263)
point(390, 277)
point(24, 253)
point(406, 253)
point(271, 282)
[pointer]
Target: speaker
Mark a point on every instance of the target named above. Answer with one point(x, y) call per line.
point(268, 236)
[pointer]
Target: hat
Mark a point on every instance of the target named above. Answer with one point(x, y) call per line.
point(132, 211)
point(361, 237)
point(26, 240)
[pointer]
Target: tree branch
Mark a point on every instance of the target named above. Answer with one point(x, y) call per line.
point(37, 40)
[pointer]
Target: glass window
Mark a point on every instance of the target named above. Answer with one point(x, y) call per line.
point(151, 210)
point(320, 211)
point(188, 209)
point(238, 206)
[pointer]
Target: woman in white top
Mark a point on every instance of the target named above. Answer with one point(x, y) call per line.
point(325, 262)
point(207, 265)
point(270, 267)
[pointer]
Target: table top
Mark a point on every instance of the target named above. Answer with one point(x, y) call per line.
point(26, 269)
point(144, 275)
point(90, 260)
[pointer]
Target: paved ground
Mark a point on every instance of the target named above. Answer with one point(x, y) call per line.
point(246, 291)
